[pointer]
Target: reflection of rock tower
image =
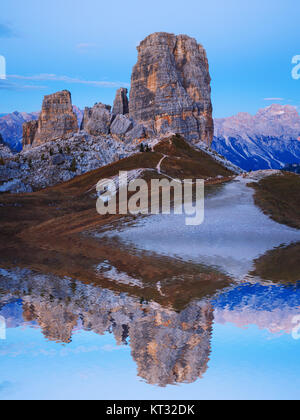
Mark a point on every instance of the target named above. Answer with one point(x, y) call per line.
point(172, 347)
point(169, 347)
point(56, 320)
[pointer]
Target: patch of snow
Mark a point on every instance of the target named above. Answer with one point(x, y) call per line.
point(112, 273)
point(256, 176)
point(235, 232)
point(118, 183)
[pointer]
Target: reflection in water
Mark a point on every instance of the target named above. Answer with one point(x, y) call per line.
point(162, 291)
point(169, 346)
point(281, 264)
point(270, 307)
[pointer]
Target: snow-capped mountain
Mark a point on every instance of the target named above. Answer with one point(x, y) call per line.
point(268, 140)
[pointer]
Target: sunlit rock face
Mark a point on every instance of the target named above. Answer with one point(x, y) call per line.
point(29, 132)
point(56, 120)
point(170, 87)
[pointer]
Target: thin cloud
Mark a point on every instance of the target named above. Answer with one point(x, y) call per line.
point(273, 99)
point(83, 46)
point(6, 85)
point(67, 79)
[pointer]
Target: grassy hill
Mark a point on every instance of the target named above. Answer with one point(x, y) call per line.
point(278, 196)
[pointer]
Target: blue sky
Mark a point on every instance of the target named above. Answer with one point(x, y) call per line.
point(90, 48)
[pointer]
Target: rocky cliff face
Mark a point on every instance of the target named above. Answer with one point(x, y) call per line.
point(268, 140)
point(96, 120)
point(29, 132)
point(170, 87)
point(121, 105)
point(57, 118)
point(170, 93)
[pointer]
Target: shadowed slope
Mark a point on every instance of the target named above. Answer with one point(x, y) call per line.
point(279, 197)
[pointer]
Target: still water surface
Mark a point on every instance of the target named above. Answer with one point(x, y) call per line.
point(214, 315)
point(79, 341)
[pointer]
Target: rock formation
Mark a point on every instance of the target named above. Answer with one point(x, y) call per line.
point(137, 133)
point(170, 87)
point(172, 347)
point(29, 132)
point(97, 120)
point(56, 120)
point(56, 321)
point(121, 105)
point(170, 92)
point(121, 125)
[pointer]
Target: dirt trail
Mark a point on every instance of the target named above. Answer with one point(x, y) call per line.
point(159, 164)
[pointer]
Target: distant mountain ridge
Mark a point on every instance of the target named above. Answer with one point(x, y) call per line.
point(268, 140)
point(11, 128)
